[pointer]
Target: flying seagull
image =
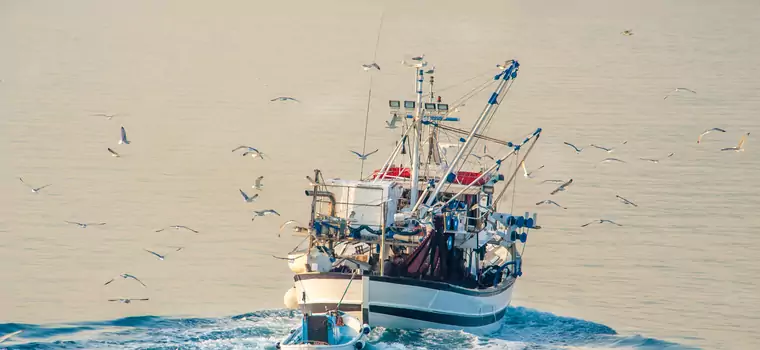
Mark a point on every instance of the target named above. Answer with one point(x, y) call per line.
point(625, 201)
point(549, 201)
point(284, 98)
point(257, 185)
point(656, 160)
point(286, 223)
point(481, 157)
point(553, 181)
point(159, 256)
point(114, 153)
point(678, 90)
point(128, 300)
point(529, 174)
point(107, 116)
point(608, 150)
point(601, 221)
point(9, 335)
point(577, 150)
point(34, 189)
point(699, 139)
point(254, 154)
point(123, 140)
point(392, 123)
point(739, 147)
point(247, 148)
point(265, 212)
point(249, 199)
point(627, 32)
point(370, 66)
point(125, 276)
point(562, 187)
point(177, 227)
point(364, 156)
point(84, 225)
point(610, 160)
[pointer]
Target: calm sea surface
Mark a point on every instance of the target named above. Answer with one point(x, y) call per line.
point(191, 80)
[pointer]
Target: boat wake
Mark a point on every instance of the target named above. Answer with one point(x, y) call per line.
point(523, 329)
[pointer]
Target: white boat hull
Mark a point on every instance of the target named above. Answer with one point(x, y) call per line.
point(405, 303)
point(324, 292)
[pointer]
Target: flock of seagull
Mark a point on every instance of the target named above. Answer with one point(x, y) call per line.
point(565, 184)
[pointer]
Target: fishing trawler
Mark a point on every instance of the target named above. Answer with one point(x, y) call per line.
point(424, 245)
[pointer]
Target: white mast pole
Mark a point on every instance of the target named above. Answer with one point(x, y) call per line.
point(506, 77)
point(417, 139)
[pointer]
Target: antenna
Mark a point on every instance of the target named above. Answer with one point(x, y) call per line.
point(369, 94)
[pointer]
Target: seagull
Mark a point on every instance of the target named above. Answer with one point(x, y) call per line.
point(562, 187)
point(370, 66)
point(250, 150)
point(34, 189)
point(553, 181)
point(247, 148)
point(249, 199)
point(9, 335)
point(739, 147)
point(283, 98)
point(529, 174)
point(265, 212)
point(84, 225)
point(625, 201)
point(286, 223)
point(431, 70)
point(177, 248)
point(577, 150)
point(128, 300)
point(107, 116)
point(656, 160)
point(608, 150)
point(627, 32)
point(258, 185)
point(699, 139)
point(364, 156)
point(114, 153)
point(392, 124)
point(601, 221)
point(125, 276)
point(609, 160)
point(311, 182)
point(255, 154)
point(549, 201)
point(123, 140)
point(677, 90)
point(177, 227)
point(159, 256)
point(483, 156)
point(418, 58)
point(415, 64)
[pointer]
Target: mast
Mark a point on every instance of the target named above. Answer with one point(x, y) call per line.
point(506, 77)
point(417, 138)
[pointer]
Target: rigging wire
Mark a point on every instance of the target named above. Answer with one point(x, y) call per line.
point(369, 94)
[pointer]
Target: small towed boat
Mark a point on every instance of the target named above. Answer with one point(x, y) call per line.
point(331, 330)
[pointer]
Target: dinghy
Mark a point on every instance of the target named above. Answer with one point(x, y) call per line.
point(333, 330)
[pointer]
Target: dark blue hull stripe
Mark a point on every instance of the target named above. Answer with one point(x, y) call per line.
point(435, 317)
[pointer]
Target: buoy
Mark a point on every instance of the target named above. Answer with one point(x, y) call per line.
point(290, 299)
